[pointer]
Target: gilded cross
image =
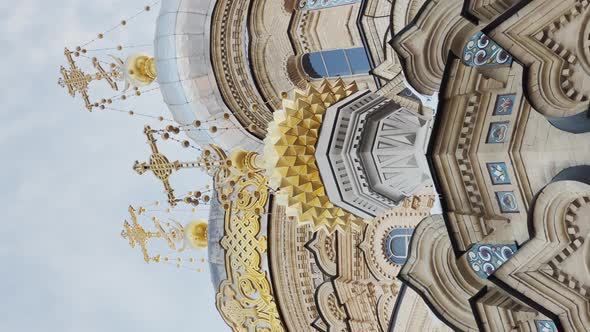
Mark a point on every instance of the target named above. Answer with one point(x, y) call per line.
point(75, 80)
point(138, 236)
point(161, 166)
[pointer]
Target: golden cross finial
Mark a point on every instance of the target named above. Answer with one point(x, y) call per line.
point(138, 236)
point(75, 80)
point(161, 166)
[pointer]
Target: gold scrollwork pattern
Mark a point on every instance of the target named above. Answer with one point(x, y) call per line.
point(245, 300)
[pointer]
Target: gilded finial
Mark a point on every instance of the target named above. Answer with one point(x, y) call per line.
point(176, 236)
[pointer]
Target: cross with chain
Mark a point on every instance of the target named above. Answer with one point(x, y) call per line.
point(138, 236)
point(161, 166)
point(75, 80)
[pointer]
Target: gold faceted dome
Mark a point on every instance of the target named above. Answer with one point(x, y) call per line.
point(196, 234)
point(290, 163)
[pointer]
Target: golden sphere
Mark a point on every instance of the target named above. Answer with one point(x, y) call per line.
point(100, 36)
point(196, 234)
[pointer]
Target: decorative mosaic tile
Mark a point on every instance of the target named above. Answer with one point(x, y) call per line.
point(498, 132)
point(504, 104)
point(482, 51)
point(321, 4)
point(546, 326)
point(498, 173)
point(507, 201)
point(485, 259)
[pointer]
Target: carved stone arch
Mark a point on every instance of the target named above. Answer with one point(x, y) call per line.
point(443, 281)
point(375, 236)
point(488, 10)
point(324, 249)
point(549, 38)
point(404, 11)
point(552, 270)
point(331, 312)
point(423, 45)
point(498, 311)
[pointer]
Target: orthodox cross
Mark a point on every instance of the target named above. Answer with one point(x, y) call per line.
point(138, 236)
point(161, 166)
point(75, 80)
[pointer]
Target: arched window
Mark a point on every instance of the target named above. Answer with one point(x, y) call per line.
point(397, 245)
point(334, 63)
point(321, 4)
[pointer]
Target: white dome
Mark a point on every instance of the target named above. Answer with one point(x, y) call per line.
point(185, 74)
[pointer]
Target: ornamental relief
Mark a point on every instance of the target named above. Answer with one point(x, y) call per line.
point(551, 39)
point(245, 299)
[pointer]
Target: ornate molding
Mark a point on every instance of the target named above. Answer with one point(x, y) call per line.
point(245, 300)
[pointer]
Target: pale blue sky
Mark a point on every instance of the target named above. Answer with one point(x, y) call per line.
point(67, 181)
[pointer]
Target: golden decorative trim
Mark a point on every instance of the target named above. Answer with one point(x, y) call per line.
point(245, 299)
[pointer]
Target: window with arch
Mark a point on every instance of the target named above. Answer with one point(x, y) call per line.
point(334, 63)
point(321, 4)
point(397, 245)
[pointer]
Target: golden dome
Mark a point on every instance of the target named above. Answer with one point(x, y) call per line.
point(196, 234)
point(290, 157)
point(140, 69)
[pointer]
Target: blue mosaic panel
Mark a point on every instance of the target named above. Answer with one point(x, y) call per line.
point(498, 173)
point(507, 201)
point(485, 259)
point(504, 104)
point(321, 4)
point(482, 51)
point(498, 132)
point(546, 326)
point(397, 244)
